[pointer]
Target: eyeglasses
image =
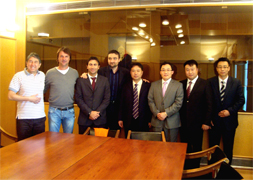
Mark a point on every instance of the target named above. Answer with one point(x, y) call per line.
point(166, 70)
point(224, 67)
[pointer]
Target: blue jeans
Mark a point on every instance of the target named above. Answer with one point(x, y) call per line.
point(57, 117)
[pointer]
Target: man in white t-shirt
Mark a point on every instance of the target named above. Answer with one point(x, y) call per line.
point(26, 88)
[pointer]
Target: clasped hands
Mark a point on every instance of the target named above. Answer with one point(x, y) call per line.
point(94, 115)
point(161, 116)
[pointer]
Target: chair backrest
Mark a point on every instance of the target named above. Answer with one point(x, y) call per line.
point(150, 136)
point(102, 132)
point(8, 135)
point(212, 168)
point(207, 152)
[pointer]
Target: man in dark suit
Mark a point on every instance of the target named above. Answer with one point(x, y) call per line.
point(195, 113)
point(134, 112)
point(117, 77)
point(92, 97)
point(165, 99)
point(228, 98)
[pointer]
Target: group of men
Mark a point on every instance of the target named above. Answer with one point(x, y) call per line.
point(113, 97)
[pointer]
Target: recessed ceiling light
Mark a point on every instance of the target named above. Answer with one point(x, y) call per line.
point(141, 33)
point(181, 35)
point(151, 40)
point(182, 42)
point(153, 44)
point(146, 37)
point(142, 24)
point(178, 26)
point(165, 22)
point(135, 28)
point(43, 34)
point(179, 31)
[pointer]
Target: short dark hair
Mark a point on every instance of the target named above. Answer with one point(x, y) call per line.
point(114, 52)
point(93, 58)
point(221, 59)
point(35, 55)
point(191, 63)
point(164, 63)
point(136, 64)
point(65, 50)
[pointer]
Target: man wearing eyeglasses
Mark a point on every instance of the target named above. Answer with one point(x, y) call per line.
point(228, 98)
point(165, 99)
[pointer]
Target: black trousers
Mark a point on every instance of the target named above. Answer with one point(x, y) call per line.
point(228, 136)
point(193, 138)
point(112, 115)
point(29, 127)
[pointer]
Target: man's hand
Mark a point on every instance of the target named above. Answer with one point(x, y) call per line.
point(84, 75)
point(94, 115)
point(205, 127)
point(34, 99)
point(161, 116)
point(224, 113)
point(121, 124)
point(149, 125)
point(145, 80)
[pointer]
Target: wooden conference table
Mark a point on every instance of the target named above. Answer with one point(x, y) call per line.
point(53, 155)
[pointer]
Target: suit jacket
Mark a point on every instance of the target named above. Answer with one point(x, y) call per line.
point(196, 110)
point(124, 76)
point(89, 100)
point(126, 105)
point(233, 101)
point(170, 103)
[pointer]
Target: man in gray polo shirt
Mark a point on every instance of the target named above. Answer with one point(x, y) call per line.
point(61, 80)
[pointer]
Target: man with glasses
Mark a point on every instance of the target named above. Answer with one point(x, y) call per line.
point(228, 98)
point(165, 99)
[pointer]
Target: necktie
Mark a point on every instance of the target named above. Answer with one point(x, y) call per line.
point(135, 103)
point(222, 91)
point(93, 83)
point(189, 89)
point(164, 88)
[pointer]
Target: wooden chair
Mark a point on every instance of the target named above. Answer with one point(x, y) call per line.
point(102, 132)
point(150, 136)
point(205, 170)
point(8, 135)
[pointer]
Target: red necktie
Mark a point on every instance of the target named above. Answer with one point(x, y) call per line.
point(189, 89)
point(93, 83)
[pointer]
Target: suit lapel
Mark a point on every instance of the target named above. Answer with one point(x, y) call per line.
point(87, 81)
point(195, 87)
point(228, 86)
point(168, 87)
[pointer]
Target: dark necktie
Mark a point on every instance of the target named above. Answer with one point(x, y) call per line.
point(93, 83)
point(222, 91)
point(135, 103)
point(189, 89)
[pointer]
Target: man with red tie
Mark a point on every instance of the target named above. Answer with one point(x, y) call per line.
point(195, 113)
point(92, 97)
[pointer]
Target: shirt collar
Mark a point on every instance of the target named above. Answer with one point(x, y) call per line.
point(193, 81)
point(225, 80)
point(139, 83)
point(168, 81)
point(27, 73)
point(92, 77)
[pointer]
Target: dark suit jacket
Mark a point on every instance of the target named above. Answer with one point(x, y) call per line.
point(126, 106)
point(233, 101)
point(196, 110)
point(89, 100)
point(124, 76)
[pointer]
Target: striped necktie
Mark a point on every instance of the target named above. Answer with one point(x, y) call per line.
point(222, 91)
point(135, 103)
point(189, 89)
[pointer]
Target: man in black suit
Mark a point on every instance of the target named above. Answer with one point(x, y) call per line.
point(228, 98)
point(195, 113)
point(134, 114)
point(92, 97)
point(117, 77)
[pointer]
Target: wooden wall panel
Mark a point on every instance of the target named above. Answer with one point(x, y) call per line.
point(7, 71)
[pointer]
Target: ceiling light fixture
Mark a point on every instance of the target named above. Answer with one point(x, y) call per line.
point(182, 42)
point(178, 26)
point(165, 22)
point(146, 37)
point(135, 28)
point(179, 31)
point(43, 34)
point(151, 40)
point(142, 24)
point(141, 33)
point(181, 35)
point(153, 44)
